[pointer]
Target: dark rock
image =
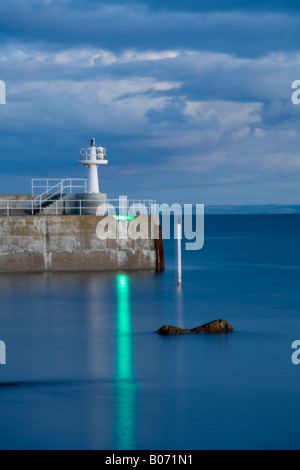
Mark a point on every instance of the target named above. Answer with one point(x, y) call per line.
point(213, 327)
point(169, 330)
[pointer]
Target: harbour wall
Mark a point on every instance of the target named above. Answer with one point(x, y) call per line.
point(70, 243)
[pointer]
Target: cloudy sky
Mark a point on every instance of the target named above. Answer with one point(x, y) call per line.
point(192, 98)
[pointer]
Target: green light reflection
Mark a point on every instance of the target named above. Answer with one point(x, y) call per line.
point(125, 385)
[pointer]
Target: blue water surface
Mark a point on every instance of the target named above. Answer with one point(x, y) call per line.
point(86, 369)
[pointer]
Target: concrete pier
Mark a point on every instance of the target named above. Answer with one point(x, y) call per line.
point(70, 243)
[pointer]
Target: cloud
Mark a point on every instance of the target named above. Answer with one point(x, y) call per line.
point(114, 105)
point(119, 26)
point(190, 96)
point(224, 113)
point(214, 5)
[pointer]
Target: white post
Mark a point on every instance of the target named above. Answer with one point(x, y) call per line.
point(179, 236)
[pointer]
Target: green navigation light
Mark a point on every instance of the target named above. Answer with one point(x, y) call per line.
point(124, 217)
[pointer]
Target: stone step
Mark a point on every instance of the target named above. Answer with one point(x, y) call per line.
point(55, 207)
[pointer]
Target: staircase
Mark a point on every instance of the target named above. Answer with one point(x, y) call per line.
point(52, 200)
point(52, 206)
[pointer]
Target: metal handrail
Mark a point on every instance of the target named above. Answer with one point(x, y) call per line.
point(9, 206)
point(49, 186)
point(58, 188)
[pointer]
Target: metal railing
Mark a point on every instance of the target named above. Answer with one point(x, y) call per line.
point(124, 206)
point(55, 187)
point(10, 207)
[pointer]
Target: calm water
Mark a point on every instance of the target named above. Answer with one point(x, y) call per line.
point(85, 368)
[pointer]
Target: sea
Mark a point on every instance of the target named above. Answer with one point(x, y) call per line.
point(86, 369)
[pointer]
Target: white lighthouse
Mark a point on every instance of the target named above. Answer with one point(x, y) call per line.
point(92, 157)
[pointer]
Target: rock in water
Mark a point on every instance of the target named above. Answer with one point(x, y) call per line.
point(213, 327)
point(216, 326)
point(169, 330)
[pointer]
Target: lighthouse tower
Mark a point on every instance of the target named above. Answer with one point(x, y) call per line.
point(92, 157)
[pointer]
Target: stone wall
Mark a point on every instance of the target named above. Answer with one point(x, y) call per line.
point(19, 204)
point(70, 243)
